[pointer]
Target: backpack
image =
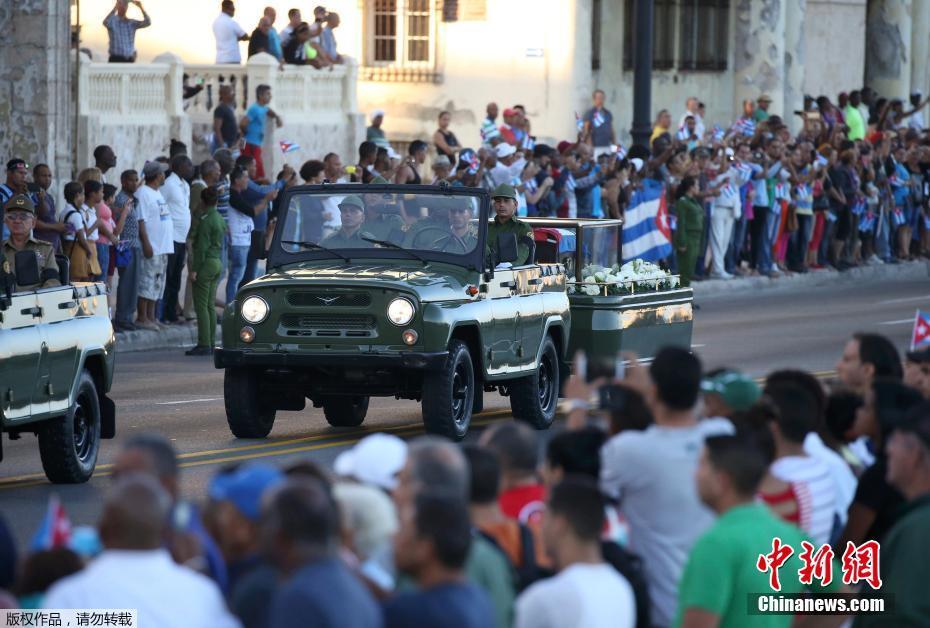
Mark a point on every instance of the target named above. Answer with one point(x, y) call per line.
point(630, 566)
point(529, 571)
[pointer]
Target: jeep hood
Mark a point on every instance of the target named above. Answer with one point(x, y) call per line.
point(435, 282)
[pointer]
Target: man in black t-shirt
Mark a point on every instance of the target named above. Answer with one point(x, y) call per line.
point(260, 40)
point(225, 125)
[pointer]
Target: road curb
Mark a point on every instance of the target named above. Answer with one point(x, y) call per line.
point(180, 336)
point(815, 279)
point(174, 337)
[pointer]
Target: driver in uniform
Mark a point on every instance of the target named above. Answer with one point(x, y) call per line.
point(350, 235)
point(20, 218)
point(460, 225)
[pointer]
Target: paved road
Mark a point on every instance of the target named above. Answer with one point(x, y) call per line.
point(180, 397)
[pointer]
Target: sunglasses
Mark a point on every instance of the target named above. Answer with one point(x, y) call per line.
point(18, 216)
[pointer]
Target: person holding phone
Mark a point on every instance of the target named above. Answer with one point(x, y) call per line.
point(122, 31)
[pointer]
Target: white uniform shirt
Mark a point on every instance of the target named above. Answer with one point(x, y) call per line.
point(163, 593)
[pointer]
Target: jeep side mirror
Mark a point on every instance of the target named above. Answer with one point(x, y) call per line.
point(507, 248)
point(26, 268)
point(257, 248)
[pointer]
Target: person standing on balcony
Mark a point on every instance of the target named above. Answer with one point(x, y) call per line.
point(253, 126)
point(275, 48)
point(294, 19)
point(261, 38)
point(328, 39)
point(228, 34)
point(122, 31)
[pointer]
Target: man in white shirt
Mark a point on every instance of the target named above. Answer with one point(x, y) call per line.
point(293, 21)
point(159, 229)
point(916, 119)
point(587, 592)
point(228, 34)
point(177, 193)
point(692, 108)
point(503, 171)
point(651, 473)
point(135, 571)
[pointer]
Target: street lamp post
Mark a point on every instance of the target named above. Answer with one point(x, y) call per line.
point(642, 72)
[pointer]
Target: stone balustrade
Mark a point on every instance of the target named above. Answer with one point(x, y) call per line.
point(139, 108)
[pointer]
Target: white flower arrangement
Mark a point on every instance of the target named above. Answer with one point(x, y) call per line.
point(633, 277)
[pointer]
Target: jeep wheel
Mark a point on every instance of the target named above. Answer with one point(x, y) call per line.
point(247, 415)
point(533, 399)
point(69, 445)
point(449, 394)
point(345, 411)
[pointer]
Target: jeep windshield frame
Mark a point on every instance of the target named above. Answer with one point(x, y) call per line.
point(279, 256)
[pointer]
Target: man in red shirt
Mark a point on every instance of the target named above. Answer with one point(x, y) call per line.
point(522, 496)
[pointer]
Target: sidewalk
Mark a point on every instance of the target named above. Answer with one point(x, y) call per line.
point(185, 336)
point(711, 288)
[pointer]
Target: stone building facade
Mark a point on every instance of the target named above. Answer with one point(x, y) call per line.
point(416, 58)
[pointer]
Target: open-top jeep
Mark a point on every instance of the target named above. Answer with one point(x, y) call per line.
point(56, 368)
point(413, 313)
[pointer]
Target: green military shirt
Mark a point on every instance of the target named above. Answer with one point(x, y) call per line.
point(516, 227)
point(208, 240)
point(381, 227)
point(690, 217)
point(46, 253)
point(904, 569)
point(339, 240)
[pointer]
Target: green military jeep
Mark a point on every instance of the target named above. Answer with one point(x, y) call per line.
point(56, 368)
point(376, 310)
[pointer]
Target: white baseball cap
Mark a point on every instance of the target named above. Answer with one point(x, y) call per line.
point(376, 113)
point(637, 164)
point(504, 150)
point(374, 460)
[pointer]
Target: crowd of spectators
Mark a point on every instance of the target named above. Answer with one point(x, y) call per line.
point(657, 508)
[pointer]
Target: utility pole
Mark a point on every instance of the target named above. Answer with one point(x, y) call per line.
point(642, 72)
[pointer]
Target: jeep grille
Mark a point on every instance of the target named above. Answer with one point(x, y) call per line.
point(328, 299)
point(328, 325)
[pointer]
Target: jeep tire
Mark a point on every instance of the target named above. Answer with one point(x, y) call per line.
point(69, 444)
point(247, 414)
point(449, 394)
point(534, 399)
point(345, 411)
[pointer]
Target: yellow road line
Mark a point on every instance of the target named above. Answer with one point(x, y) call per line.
point(410, 429)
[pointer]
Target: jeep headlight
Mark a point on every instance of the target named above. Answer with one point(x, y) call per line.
point(400, 311)
point(254, 309)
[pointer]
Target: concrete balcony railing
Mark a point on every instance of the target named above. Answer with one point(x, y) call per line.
point(139, 108)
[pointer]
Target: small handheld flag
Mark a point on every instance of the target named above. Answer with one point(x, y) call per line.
point(921, 336)
point(55, 529)
point(288, 147)
point(579, 122)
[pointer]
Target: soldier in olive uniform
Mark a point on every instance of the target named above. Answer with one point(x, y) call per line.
point(20, 218)
point(463, 233)
point(690, 216)
point(350, 235)
point(504, 200)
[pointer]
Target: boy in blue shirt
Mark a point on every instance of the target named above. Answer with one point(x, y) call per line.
point(253, 126)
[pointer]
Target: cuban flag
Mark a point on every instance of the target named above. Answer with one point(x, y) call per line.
point(579, 122)
point(647, 234)
point(621, 152)
point(745, 126)
point(288, 147)
point(898, 218)
point(867, 223)
point(921, 335)
point(55, 529)
point(719, 133)
point(858, 207)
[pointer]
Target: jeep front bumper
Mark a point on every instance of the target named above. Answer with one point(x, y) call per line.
point(225, 358)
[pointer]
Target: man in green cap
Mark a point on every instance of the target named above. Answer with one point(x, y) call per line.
point(504, 203)
point(350, 235)
point(20, 218)
point(728, 392)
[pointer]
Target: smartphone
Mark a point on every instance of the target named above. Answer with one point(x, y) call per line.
point(619, 368)
point(581, 366)
point(612, 397)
